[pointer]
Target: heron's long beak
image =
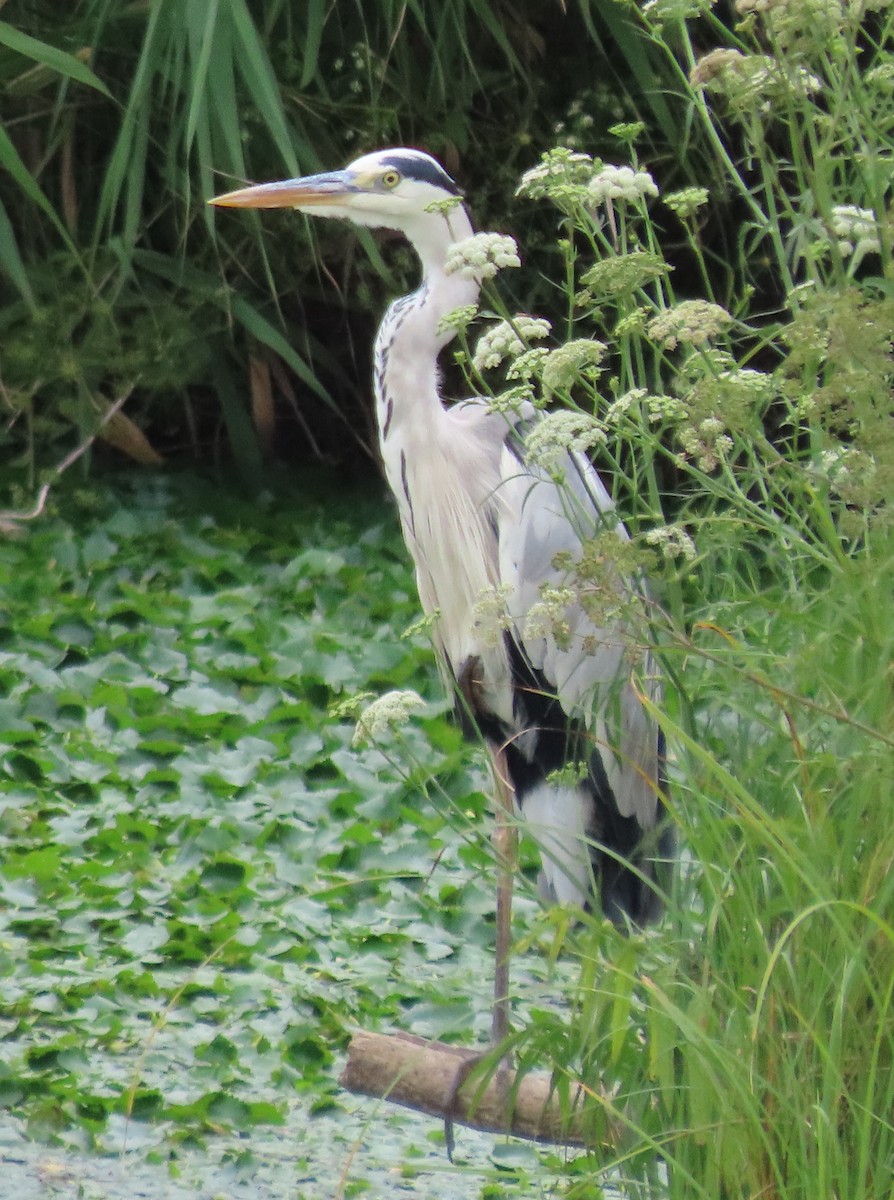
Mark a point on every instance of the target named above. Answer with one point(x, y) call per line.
point(311, 191)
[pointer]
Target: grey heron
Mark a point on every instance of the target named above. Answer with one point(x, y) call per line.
point(479, 518)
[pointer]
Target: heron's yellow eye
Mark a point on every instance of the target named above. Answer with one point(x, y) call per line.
point(390, 178)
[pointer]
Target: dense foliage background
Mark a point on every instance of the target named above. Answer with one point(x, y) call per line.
point(122, 119)
point(182, 808)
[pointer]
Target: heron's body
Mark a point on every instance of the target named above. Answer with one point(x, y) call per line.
point(481, 522)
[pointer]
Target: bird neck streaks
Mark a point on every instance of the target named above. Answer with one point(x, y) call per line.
point(409, 339)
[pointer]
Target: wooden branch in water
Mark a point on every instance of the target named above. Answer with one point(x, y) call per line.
point(423, 1075)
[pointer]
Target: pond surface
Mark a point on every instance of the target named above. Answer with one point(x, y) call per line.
point(205, 884)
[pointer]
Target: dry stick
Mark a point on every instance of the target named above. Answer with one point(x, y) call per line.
point(440, 1079)
point(68, 461)
point(421, 1075)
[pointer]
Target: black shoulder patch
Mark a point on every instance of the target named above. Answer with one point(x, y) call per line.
point(420, 166)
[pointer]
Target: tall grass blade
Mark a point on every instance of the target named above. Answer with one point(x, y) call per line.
point(237, 418)
point(634, 47)
point(200, 31)
point(313, 38)
point(254, 66)
point(125, 171)
point(11, 161)
point(11, 259)
point(50, 56)
point(259, 327)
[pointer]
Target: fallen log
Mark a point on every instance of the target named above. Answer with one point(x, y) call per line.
point(438, 1079)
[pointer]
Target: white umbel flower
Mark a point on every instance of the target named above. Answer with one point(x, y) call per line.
point(856, 230)
point(707, 443)
point(548, 616)
point(691, 322)
point(394, 708)
point(558, 434)
point(508, 339)
point(620, 183)
point(571, 362)
point(561, 169)
point(457, 319)
point(846, 466)
point(673, 541)
point(482, 255)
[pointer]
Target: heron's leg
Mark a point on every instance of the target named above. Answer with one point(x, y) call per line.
point(505, 843)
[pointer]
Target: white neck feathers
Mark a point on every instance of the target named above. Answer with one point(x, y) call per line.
point(409, 340)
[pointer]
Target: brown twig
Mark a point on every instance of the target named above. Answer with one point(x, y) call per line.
point(11, 517)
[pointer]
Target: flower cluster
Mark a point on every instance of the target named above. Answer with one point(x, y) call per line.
point(577, 123)
point(424, 623)
point(482, 255)
point(443, 208)
point(573, 180)
point(572, 775)
point(628, 131)
point(845, 467)
point(559, 169)
point(490, 613)
point(713, 66)
point(797, 24)
point(394, 708)
point(620, 275)
point(577, 359)
point(751, 83)
point(707, 443)
point(557, 435)
point(619, 408)
point(673, 541)
point(512, 399)
point(712, 384)
point(508, 339)
point(458, 319)
point(691, 323)
point(632, 322)
point(687, 201)
point(881, 77)
point(528, 365)
point(856, 231)
point(660, 407)
point(548, 616)
point(745, 386)
point(673, 11)
point(601, 577)
point(620, 183)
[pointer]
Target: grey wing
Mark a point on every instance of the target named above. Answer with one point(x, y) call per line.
point(590, 666)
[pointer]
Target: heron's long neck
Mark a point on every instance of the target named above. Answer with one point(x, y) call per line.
point(409, 342)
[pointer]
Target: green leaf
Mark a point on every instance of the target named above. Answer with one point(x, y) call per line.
point(144, 939)
point(11, 161)
point(57, 60)
point(254, 64)
point(223, 876)
point(11, 259)
point(228, 1109)
point(258, 326)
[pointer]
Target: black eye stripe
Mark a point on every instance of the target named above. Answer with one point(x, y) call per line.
point(425, 169)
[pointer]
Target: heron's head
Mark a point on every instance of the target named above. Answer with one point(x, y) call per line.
point(389, 189)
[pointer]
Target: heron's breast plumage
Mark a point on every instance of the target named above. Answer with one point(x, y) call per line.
point(448, 510)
